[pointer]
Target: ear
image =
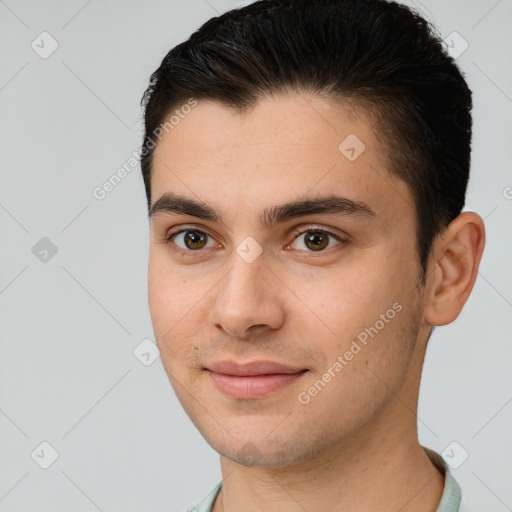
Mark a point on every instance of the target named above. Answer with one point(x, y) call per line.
point(455, 258)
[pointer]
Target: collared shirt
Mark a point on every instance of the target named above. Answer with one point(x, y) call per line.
point(451, 499)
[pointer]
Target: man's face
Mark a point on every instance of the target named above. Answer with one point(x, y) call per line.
point(297, 299)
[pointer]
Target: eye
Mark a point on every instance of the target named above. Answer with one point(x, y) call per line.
point(190, 239)
point(310, 240)
point(316, 240)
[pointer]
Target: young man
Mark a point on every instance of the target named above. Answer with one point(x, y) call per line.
point(305, 165)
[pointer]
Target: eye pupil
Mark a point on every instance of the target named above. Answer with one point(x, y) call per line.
point(195, 239)
point(317, 239)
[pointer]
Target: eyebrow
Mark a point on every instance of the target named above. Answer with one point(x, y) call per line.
point(327, 205)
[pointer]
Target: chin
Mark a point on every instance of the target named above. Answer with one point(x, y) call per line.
point(255, 450)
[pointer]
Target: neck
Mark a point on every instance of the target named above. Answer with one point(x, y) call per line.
point(360, 479)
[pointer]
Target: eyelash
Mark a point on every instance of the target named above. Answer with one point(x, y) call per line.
point(296, 234)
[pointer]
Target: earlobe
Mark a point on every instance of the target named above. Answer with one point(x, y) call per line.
point(456, 258)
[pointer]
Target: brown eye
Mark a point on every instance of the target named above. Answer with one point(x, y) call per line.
point(189, 239)
point(316, 240)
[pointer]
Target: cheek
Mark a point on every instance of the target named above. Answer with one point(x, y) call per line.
point(367, 359)
point(169, 293)
point(362, 313)
point(168, 300)
point(347, 301)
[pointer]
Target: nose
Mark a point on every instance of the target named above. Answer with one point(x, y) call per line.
point(249, 300)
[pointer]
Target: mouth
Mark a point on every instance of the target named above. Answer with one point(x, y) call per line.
point(254, 380)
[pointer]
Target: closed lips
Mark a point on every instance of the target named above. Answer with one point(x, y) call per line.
point(253, 368)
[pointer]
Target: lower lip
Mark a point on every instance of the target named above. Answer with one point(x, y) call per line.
point(257, 386)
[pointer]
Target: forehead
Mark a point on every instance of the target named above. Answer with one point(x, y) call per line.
point(293, 125)
point(283, 149)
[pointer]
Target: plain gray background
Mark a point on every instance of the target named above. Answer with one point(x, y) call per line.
point(70, 321)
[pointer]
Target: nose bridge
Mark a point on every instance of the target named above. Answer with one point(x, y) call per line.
point(247, 297)
point(241, 289)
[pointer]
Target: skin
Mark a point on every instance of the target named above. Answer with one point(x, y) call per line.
point(354, 446)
